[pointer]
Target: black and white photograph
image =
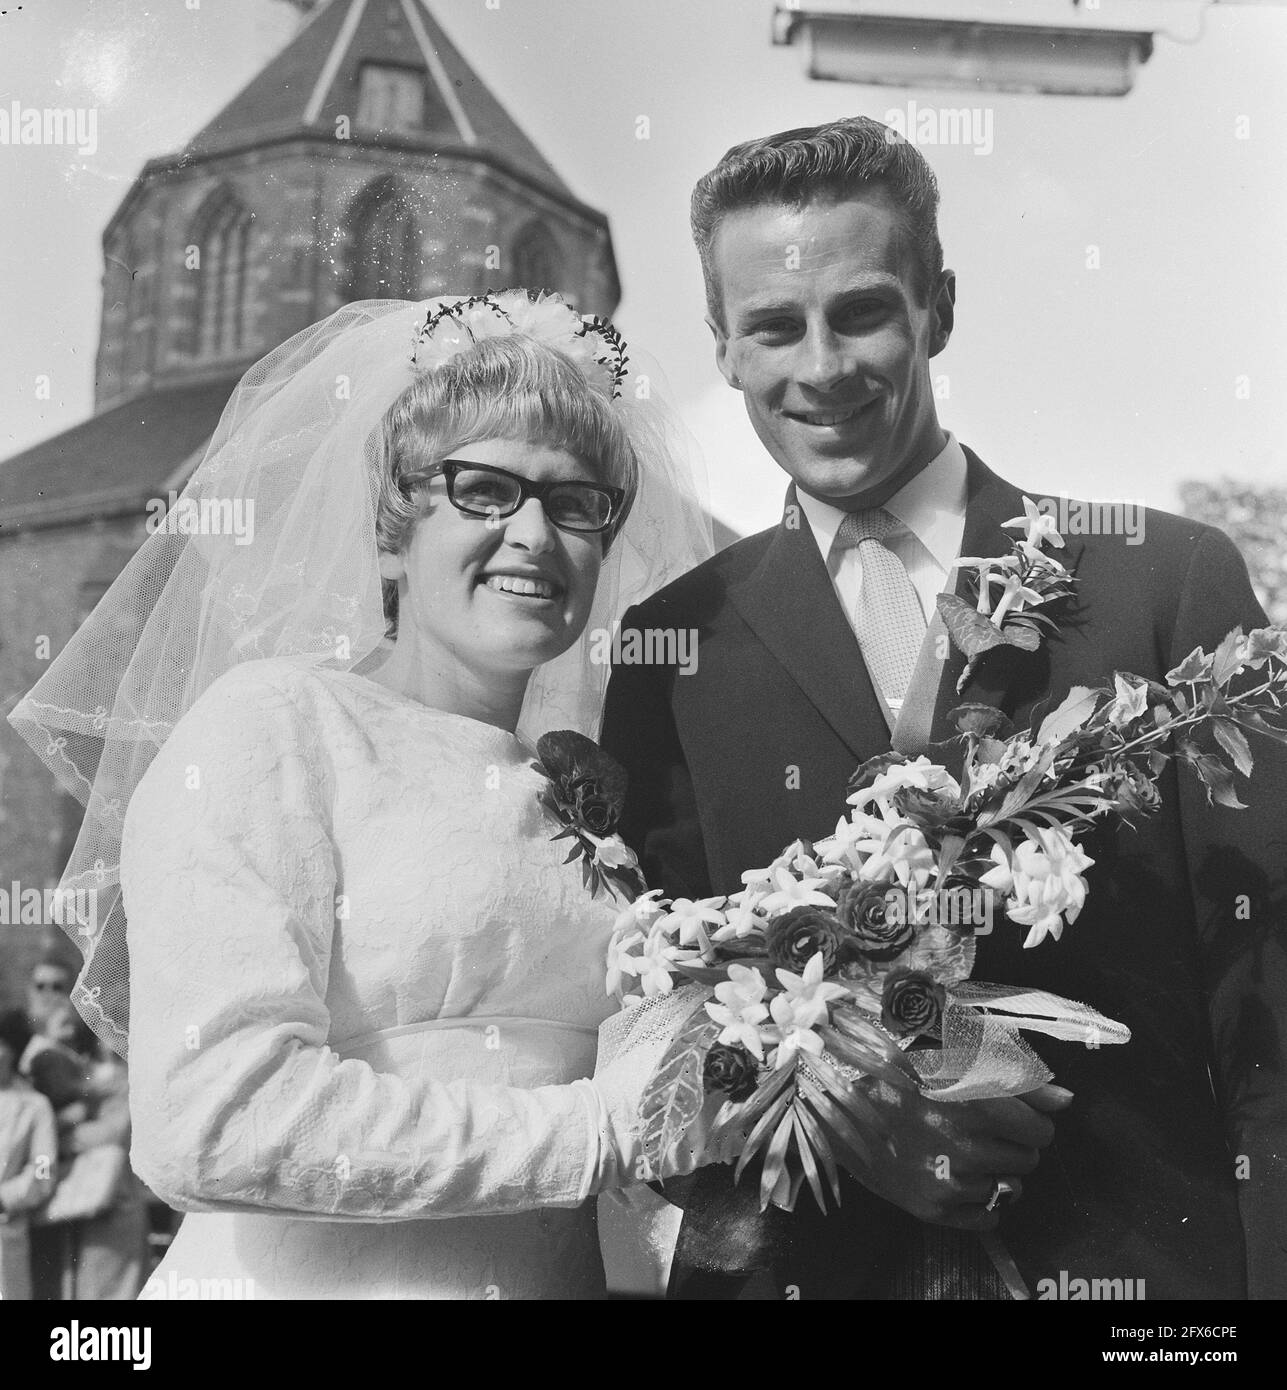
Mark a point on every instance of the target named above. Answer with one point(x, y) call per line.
point(644, 658)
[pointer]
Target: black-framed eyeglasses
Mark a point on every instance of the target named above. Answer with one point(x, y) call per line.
point(487, 492)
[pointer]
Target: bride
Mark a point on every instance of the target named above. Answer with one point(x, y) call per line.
point(361, 984)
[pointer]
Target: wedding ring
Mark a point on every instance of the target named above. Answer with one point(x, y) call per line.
point(1001, 1189)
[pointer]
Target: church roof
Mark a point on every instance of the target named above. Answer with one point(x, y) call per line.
point(314, 81)
point(112, 462)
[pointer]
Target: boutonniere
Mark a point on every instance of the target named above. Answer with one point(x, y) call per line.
point(585, 789)
point(1027, 579)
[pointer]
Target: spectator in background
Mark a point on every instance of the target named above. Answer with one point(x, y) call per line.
point(28, 1145)
point(92, 1237)
point(48, 989)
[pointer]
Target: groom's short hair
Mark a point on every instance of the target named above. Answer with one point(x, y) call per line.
point(794, 167)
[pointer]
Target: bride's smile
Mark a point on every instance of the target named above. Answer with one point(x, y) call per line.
point(503, 592)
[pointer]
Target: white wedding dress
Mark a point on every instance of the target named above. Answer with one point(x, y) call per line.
point(362, 981)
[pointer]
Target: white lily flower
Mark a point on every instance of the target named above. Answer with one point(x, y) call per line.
point(658, 958)
point(1015, 595)
point(744, 917)
point(612, 852)
point(799, 1009)
point(741, 1009)
point(789, 892)
point(908, 857)
point(622, 960)
point(1046, 884)
point(688, 920)
point(1040, 525)
point(919, 773)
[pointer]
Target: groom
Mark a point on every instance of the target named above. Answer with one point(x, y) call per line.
point(818, 648)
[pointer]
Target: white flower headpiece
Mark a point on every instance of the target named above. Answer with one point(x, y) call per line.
point(591, 342)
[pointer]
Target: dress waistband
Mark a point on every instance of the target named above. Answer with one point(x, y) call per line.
point(430, 1025)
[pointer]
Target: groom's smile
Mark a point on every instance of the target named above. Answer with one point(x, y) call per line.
point(827, 336)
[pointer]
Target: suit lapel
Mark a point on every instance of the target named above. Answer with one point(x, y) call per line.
point(790, 604)
point(1011, 679)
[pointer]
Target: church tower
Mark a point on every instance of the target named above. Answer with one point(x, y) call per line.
point(366, 161)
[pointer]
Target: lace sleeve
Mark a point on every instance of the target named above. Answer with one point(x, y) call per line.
point(228, 871)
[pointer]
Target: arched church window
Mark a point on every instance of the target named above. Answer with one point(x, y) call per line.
point(537, 263)
point(385, 237)
point(222, 236)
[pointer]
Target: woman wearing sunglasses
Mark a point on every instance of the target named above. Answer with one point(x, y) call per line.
point(361, 986)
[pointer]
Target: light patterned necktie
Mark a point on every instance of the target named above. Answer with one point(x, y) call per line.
point(888, 620)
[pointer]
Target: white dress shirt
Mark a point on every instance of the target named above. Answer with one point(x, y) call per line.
point(931, 508)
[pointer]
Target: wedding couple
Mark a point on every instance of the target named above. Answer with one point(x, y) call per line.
point(363, 983)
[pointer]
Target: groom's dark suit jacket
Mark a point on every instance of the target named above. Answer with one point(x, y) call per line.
point(1171, 1164)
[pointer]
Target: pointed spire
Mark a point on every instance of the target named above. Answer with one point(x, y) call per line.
point(318, 80)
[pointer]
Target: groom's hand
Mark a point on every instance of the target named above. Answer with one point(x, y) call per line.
point(946, 1158)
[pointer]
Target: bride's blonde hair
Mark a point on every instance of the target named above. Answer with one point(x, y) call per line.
point(509, 387)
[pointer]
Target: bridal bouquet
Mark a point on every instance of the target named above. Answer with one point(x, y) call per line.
point(850, 956)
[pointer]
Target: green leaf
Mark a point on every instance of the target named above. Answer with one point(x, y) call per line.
point(1018, 795)
point(851, 1100)
point(949, 853)
point(675, 1093)
point(812, 1141)
point(1218, 781)
point(842, 1133)
point(968, 628)
point(759, 1136)
point(1195, 668)
point(872, 1051)
point(769, 1089)
point(718, 974)
point(1253, 719)
point(1234, 742)
point(775, 1158)
point(1020, 634)
point(1071, 714)
point(1226, 661)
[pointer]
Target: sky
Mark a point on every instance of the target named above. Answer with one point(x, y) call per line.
point(1119, 261)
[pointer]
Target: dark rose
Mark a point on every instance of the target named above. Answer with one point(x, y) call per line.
point(874, 930)
point(933, 811)
point(794, 938)
point(966, 906)
point(588, 785)
point(591, 807)
point(982, 721)
point(912, 1005)
point(732, 1070)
